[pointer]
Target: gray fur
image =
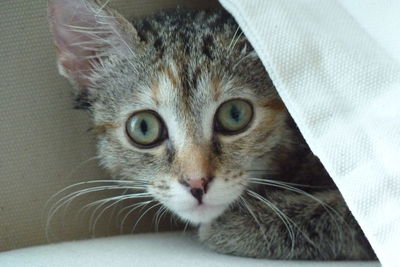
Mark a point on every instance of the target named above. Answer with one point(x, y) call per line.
point(196, 51)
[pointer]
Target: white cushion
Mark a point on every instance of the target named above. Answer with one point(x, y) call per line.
point(163, 249)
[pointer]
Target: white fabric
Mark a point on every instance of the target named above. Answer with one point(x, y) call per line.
point(336, 65)
point(160, 250)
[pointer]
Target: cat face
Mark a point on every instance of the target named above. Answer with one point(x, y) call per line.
point(181, 101)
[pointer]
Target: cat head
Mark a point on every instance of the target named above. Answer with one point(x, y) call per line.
point(180, 99)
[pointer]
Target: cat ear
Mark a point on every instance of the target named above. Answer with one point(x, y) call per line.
point(85, 32)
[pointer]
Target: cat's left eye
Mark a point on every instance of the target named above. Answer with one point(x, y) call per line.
point(233, 116)
point(145, 129)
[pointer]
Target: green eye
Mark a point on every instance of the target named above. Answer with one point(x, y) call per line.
point(145, 129)
point(233, 116)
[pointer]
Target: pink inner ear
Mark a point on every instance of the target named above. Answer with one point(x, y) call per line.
point(76, 33)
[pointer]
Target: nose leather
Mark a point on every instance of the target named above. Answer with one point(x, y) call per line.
point(198, 183)
point(198, 187)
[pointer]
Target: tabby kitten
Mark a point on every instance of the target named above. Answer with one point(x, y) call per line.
point(184, 106)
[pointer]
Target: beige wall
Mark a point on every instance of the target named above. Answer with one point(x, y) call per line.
point(43, 141)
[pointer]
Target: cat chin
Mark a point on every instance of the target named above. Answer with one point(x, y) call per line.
point(217, 199)
point(202, 213)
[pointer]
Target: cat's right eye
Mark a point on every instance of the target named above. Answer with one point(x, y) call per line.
point(145, 129)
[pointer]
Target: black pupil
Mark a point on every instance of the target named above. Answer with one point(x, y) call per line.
point(143, 127)
point(235, 113)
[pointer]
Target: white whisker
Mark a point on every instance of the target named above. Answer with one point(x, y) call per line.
point(116, 199)
point(186, 226)
point(65, 201)
point(286, 221)
point(257, 179)
point(103, 6)
point(288, 186)
point(92, 32)
point(233, 38)
point(143, 214)
point(157, 217)
point(284, 218)
point(237, 39)
point(136, 206)
point(113, 211)
point(247, 207)
point(93, 223)
point(86, 183)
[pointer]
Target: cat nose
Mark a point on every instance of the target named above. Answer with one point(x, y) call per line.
point(198, 187)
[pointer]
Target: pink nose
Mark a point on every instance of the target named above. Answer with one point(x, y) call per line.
point(198, 183)
point(198, 187)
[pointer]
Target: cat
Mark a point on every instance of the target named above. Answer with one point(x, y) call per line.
point(184, 108)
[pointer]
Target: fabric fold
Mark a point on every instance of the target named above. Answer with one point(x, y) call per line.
point(336, 65)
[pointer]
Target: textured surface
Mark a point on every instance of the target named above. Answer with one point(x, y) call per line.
point(169, 249)
point(336, 65)
point(43, 142)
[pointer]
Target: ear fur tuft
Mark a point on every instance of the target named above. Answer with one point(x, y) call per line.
point(84, 32)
